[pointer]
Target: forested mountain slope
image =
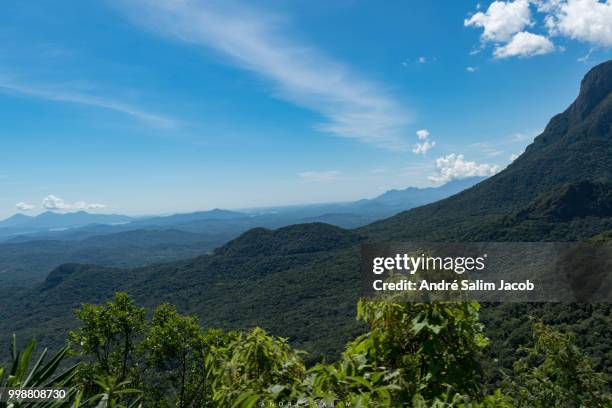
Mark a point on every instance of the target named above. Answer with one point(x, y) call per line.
point(299, 281)
point(576, 145)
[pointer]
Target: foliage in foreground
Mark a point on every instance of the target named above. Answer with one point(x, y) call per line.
point(415, 355)
point(40, 375)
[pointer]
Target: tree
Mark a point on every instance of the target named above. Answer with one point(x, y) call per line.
point(253, 367)
point(436, 347)
point(555, 372)
point(109, 333)
point(176, 347)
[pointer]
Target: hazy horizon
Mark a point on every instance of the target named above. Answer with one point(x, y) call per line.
point(39, 211)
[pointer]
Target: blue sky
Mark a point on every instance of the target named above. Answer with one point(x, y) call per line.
point(143, 106)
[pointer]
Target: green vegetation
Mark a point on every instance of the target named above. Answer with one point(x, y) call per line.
point(23, 264)
point(41, 374)
point(290, 284)
point(413, 355)
point(300, 282)
point(555, 373)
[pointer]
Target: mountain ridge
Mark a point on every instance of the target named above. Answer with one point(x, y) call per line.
point(51, 219)
point(81, 224)
point(559, 155)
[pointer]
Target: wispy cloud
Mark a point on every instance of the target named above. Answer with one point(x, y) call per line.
point(352, 106)
point(520, 137)
point(486, 148)
point(64, 93)
point(320, 176)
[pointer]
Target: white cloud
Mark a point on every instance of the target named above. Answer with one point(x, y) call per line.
point(514, 156)
point(21, 206)
point(454, 166)
point(525, 44)
point(423, 148)
point(320, 176)
point(422, 60)
point(353, 107)
point(59, 93)
point(471, 69)
point(501, 20)
point(422, 134)
point(52, 202)
point(584, 20)
point(547, 6)
point(504, 24)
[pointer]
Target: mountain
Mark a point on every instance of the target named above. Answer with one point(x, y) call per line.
point(225, 224)
point(301, 278)
point(179, 219)
point(302, 281)
point(575, 146)
point(16, 220)
point(196, 222)
point(413, 197)
point(116, 241)
point(354, 214)
point(23, 264)
point(49, 221)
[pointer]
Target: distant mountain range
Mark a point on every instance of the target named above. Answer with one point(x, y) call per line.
point(50, 220)
point(303, 281)
point(34, 245)
point(79, 225)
